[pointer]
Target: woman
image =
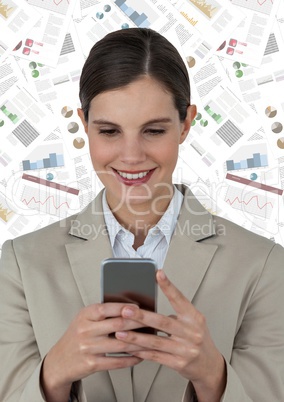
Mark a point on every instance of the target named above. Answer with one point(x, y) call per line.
point(220, 317)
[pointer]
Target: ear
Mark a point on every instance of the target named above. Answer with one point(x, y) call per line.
point(191, 113)
point(82, 118)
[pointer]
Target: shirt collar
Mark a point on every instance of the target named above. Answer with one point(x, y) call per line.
point(165, 226)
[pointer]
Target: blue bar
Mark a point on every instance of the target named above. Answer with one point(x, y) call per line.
point(40, 164)
point(119, 2)
point(134, 16)
point(140, 19)
point(250, 163)
point(145, 24)
point(53, 160)
point(257, 161)
point(60, 160)
point(33, 165)
point(124, 8)
point(129, 11)
point(26, 165)
point(237, 166)
point(264, 160)
point(46, 162)
point(244, 164)
point(230, 165)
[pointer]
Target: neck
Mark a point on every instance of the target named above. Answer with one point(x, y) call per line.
point(140, 218)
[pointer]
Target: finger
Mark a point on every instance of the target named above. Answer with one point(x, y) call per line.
point(101, 311)
point(169, 325)
point(111, 345)
point(159, 349)
point(110, 325)
point(179, 302)
point(103, 363)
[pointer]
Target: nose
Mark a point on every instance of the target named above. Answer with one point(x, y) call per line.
point(132, 151)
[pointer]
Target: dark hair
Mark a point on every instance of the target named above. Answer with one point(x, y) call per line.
point(124, 56)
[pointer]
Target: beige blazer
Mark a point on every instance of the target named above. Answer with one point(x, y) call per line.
point(234, 277)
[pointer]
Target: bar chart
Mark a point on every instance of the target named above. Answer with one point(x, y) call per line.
point(256, 161)
point(11, 112)
point(54, 160)
point(215, 112)
point(44, 157)
point(5, 212)
point(138, 12)
point(209, 9)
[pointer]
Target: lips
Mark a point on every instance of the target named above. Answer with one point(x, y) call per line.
point(133, 178)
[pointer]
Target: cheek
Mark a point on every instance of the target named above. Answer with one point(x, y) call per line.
point(169, 152)
point(99, 152)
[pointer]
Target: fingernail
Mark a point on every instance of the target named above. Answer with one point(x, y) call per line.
point(127, 312)
point(121, 334)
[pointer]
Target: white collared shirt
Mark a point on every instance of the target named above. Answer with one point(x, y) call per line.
point(158, 238)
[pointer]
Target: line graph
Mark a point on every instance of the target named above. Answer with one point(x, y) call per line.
point(255, 204)
point(49, 201)
point(51, 197)
point(261, 6)
point(46, 196)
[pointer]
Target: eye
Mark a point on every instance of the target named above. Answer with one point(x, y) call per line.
point(155, 131)
point(108, 131)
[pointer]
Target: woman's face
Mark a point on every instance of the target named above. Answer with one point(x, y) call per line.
point(134, 134)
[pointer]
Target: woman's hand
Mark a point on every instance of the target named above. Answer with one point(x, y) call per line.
point(81, 350)
point(188, 348)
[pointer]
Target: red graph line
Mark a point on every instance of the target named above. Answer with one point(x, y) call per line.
point(42, 203)
point(60, 1)
point(246, 203)
point(262, 2)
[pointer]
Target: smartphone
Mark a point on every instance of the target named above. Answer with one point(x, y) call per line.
point(130, 280)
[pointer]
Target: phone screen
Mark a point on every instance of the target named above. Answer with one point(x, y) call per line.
point(130, 280)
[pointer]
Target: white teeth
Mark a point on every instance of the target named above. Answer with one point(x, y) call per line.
point(130, 176)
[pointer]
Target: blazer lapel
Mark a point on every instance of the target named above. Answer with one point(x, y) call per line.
point(85, 259)
point(186, 264)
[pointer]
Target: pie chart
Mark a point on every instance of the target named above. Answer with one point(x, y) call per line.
point(253, 176)
point(66, 111)
point(280, 143)
point(49, 176)
point(79, 143)
point(32, 65)
point(204, 123)
point(270, 111)
point(239, 73)
point(191, 61)
point(99, 15)
point(277, 127)
point(35, 73)
point(73, 127)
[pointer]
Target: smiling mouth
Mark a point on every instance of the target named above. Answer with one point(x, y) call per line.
point(133, 176)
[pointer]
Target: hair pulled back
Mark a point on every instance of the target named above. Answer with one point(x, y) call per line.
point(124, 56)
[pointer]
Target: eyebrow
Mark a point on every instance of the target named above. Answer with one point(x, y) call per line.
point(153, 121)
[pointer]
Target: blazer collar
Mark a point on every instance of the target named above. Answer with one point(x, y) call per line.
point(186, 264)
